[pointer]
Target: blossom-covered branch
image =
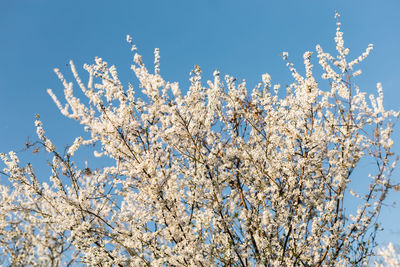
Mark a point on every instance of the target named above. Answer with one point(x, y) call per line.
point(218, 175)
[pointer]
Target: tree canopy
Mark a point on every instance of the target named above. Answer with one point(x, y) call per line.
point(215, 175)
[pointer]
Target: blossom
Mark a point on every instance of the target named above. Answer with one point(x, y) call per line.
point(215, 175)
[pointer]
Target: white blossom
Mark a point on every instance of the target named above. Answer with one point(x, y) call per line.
point(215, 175)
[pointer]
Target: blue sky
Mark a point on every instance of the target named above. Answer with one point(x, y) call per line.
point(240, 38)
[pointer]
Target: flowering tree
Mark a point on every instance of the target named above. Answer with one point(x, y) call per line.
point(388, 257)
point(217, 176)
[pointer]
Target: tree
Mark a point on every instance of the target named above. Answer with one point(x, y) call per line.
point(388, 256)
point(219, 176)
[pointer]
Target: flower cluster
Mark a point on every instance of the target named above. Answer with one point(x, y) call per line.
point(218, 176)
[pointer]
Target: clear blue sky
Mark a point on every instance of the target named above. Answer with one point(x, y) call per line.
point(240, 38)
